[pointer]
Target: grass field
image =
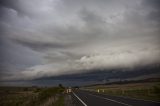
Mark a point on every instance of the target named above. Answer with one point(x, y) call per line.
point(31, 96)
point(147, 91)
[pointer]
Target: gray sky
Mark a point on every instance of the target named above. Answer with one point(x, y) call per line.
point(42, 38)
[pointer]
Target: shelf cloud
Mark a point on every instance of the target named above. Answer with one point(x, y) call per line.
point(58, 37)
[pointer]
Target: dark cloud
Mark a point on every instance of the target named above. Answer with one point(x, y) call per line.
point(90, 18)
point(154, 10)
point(155, 4)
point(41, 46)
point(15, 58)
point(155, 17)
point(12, 4)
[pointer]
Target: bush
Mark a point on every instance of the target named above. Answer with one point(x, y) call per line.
point(48, 92)
point(156, 90)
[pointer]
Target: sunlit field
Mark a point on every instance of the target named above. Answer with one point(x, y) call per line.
point(146, 90)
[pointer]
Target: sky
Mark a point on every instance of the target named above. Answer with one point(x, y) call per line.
point(43, 38)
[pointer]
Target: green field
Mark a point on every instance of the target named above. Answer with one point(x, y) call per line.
point(31, 96)
point(147, 91)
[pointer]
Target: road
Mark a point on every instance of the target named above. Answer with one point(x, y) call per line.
point(86, 98)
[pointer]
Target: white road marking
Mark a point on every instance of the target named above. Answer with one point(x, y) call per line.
point(129, 98)
point(110, 100)
point(79, 99)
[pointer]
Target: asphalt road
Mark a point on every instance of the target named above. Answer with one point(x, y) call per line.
point(85, 98)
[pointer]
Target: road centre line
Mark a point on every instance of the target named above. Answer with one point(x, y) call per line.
point(110, 100)
point(79, 99)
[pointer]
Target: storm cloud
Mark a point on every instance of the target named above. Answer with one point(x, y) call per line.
point(58, 37)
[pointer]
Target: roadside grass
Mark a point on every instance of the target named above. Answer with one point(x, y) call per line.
point(28, 96)
point(147, 91)
point(59, 102)
point(48, 92)
point(15, 96)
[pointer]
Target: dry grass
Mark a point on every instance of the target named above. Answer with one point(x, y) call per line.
point(29, 96)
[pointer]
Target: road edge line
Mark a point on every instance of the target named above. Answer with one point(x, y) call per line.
point(79, 99)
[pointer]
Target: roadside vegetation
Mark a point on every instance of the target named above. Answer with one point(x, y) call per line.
point(147, 91)
point(32, 96)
